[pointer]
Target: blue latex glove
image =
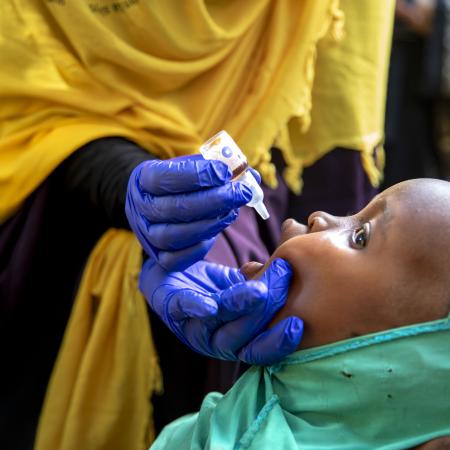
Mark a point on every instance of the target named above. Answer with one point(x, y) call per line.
point(176, 207)
point(216, 312)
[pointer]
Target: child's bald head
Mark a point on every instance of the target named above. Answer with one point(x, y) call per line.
point(427, 203)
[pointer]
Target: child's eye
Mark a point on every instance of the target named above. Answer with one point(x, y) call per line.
point(360, 236)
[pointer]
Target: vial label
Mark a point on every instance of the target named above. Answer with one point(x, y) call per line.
point(223, 148)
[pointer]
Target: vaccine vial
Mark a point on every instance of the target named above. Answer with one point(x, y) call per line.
point(222, 147)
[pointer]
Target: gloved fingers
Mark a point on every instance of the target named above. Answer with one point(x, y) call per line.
point(193, 206)
point(239, 299)
point(139, 228)
point(221, 276)
point(274, 344)
point(154, 285)
point(188, 304)
point(194, 157)
point(236, 333)
point(171, 297)
point(181, 259)
point(137, 223)
point(177, 176)
point(232, 303)
point(176, 236)
point(277, 278)
point(211, 277)
point(231, 336)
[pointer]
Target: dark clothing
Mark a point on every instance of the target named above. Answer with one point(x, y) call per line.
point(410, 146)
point(336, 184)
point(43, 250)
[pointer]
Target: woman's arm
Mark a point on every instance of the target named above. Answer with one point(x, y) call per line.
point(97, 174)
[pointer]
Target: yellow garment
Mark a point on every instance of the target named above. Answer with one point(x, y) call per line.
point(167, 74)
point(99, 392)
point(348, 95)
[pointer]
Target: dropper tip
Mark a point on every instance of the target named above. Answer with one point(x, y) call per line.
point(262, 210)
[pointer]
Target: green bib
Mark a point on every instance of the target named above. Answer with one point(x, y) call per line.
point(389, 390)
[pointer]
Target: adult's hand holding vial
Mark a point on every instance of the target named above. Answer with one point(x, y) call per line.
point(177, 207)
point(222, 147)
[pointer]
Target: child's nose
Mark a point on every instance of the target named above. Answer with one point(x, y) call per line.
point(320, 221)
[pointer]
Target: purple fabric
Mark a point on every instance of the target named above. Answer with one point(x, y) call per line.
point(240, 243)
point(336, 184)
point(42, 252)
point(250, 238)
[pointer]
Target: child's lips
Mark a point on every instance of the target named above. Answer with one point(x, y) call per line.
point(251, 269)
point(291, 228)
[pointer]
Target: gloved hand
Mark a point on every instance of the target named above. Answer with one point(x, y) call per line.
point(216, 312)
point(176, 207)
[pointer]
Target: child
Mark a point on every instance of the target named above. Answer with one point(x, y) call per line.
point(373, 369)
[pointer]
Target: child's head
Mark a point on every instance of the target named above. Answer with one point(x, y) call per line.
point(384, 267)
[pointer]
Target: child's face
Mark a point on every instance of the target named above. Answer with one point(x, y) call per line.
point(364, 273)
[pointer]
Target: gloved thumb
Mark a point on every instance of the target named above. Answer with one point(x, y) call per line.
point(274, 344)
point(241, 298)
point(277, 279)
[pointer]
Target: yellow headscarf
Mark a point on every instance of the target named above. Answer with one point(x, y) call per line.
point(168, 74)
point(348, 95)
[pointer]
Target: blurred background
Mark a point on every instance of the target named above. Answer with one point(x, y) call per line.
point(418, 102)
